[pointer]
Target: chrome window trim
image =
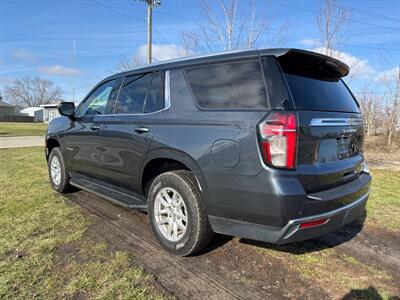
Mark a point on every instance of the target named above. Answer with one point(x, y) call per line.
point(167, 100)
point(325, 122)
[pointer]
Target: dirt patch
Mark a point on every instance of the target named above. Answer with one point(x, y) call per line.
point(226, 269)
point(233, 268)
point(384, 160)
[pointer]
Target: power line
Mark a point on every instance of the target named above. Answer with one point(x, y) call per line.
point(293, 36)
point(355, 21)
point(130, 17)
point(365, 12)
point(175, 16)
point(117, 12)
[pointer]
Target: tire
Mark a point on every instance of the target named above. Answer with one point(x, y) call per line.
point(182, 238)
point(59, 181)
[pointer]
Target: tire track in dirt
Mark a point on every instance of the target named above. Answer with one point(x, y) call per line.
point(154, 260)
point(227, 270)
point(380, 248)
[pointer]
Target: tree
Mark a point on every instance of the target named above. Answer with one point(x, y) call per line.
point(28, 91)
point(228, 25)
point(130, 62)
point(370, 104)
point(331, 20)
point(391, 80)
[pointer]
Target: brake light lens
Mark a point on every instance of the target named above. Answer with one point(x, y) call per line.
point(278, 136)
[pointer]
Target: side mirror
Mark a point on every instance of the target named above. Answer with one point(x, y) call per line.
point(67, 109)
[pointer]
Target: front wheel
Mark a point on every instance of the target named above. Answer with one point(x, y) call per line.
point(59, 177)
point(177, 216)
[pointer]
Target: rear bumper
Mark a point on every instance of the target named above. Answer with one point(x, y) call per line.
point(292, 231)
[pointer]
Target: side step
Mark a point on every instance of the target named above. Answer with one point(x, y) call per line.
point(127, 199)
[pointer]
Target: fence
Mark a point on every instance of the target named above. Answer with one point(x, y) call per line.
point(26, 119)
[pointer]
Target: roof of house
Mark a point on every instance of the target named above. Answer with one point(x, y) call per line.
point(49, 105)
point(31, 109)
point(5, 104)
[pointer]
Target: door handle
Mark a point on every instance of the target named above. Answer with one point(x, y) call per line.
point(95, 127)
point(141, 129)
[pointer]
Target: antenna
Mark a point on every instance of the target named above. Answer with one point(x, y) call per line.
point(74, 72)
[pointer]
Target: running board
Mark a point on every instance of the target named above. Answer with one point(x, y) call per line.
point(121, 198)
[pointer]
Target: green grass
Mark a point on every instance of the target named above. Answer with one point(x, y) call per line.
point(22, 129)
point(383, 206)
point(45, 252)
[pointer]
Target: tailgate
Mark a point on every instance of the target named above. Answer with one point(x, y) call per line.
point(330, 126)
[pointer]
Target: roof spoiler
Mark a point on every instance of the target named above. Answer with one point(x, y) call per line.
point(312, 59)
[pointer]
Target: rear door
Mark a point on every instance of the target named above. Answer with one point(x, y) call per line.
point(331, 132)
point(127, 133)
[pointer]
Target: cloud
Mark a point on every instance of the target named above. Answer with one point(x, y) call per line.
point(310, 42)
point(24, 55)
point(58, 70)
point(162, 51)
point(387, 75)
point(359, 68)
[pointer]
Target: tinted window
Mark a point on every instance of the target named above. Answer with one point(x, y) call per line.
point(277, 91)
point(101, 100)
point(320, 93)
point(230, 85)
point(133, 94)
point(155, 96)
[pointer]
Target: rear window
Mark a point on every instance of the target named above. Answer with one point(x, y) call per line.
point(320, 93)
point(236, 85)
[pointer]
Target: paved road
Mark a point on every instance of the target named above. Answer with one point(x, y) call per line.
point(21, 141)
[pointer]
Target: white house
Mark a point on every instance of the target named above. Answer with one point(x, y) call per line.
point(50, 111)
point(36, 112)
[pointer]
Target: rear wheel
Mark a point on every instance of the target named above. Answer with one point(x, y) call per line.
point(176, 213)
point(59, 177)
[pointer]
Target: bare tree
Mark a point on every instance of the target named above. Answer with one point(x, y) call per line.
point(130, 62)
point(391, 102)
point(28, 91)
point(331, 20)
point(228, 25)
point(370, 104)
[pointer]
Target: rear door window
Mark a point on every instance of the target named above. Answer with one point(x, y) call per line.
point(155, 96)
point(312, 91)
point(235, 85)
point(133, 94)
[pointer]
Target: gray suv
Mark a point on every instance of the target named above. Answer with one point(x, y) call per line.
point(262, 144)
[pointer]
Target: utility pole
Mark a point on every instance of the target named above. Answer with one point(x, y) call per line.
point(150, 5)
point(149, 30)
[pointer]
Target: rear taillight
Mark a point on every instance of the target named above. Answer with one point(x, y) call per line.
point(314, 223)
point(278, 138)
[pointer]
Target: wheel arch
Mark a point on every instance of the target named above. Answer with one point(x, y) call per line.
point(182, 161)
point(51, 143)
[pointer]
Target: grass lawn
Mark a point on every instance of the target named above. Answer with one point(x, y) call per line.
point(44, 252)
point(22, 129)
point(383, 205)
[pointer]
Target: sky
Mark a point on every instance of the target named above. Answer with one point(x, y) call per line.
point(37, 36)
